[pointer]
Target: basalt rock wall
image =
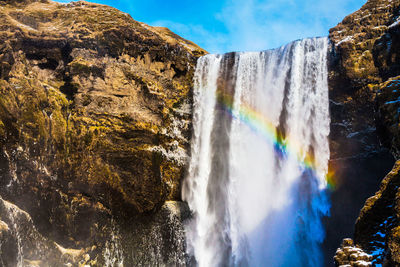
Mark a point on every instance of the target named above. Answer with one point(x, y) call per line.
point(95, 122)
point(364, 135)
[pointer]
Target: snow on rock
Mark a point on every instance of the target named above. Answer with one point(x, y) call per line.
point(350, 255)
point(346, 39)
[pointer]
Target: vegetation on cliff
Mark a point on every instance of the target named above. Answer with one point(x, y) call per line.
point(365, 82)
point(95, 117)
point(95, 120)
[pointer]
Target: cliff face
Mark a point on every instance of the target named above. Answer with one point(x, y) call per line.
point(95, 119)
point(364, 108)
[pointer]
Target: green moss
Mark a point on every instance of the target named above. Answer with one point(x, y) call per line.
point(2, 130)
point(107, 154)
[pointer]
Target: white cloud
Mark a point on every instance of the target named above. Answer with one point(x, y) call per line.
point(264, 24)
point(254, 25)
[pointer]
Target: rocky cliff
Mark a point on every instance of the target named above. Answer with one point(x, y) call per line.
point(365, 127)
point(95, 120)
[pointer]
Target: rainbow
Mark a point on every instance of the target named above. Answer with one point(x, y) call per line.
point(258, 123)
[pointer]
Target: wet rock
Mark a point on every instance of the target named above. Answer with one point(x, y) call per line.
point(388, 108)
point(375, 229)
point(158, 239)
point(364, 122)
point(95, 123)
point(23, 245)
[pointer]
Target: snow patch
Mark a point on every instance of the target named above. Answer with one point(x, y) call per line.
point(394, 24)
point(173, 152)
point(379, 233)
point(392, 102)
point(363, 263)
point(346, 39)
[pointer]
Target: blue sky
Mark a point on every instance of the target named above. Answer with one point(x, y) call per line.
point(240, 25)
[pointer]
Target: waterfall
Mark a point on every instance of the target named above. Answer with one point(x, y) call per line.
point(13, 213)
point(256, 182)
point(113, 251)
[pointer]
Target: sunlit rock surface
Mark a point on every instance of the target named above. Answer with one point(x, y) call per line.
point(364, 107)
point(349, 255)
point(95, 122)
point(95, 119)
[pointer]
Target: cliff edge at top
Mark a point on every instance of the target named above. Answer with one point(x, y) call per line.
point(95, 120)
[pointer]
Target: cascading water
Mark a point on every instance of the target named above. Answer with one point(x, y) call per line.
point(113, 252)
point(256, 182)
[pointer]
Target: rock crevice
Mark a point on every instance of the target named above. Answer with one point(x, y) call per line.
point(94, 127)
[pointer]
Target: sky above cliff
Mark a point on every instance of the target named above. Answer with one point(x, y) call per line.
point(240, 25)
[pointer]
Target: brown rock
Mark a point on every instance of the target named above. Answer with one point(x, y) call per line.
point(359, 153)
point(95, 121)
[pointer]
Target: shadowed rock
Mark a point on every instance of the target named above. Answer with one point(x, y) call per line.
point(95, 120)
